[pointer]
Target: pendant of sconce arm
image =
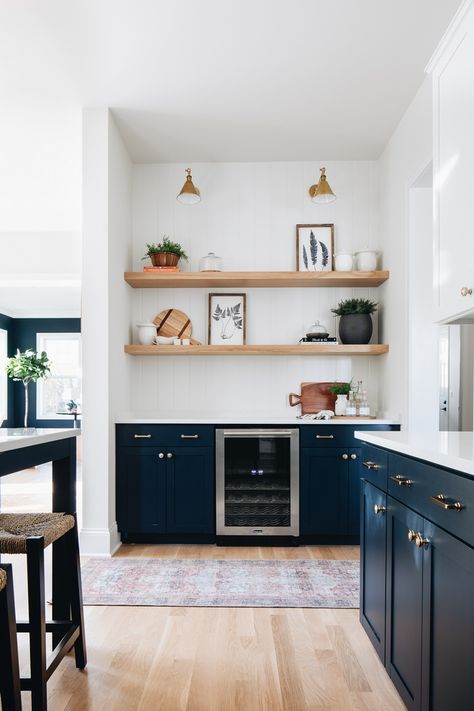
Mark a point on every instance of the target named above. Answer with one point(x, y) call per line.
point(321, 192)
point(189, 194)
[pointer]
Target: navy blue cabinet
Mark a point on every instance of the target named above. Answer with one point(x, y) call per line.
point(166, 487)
point(373, 530)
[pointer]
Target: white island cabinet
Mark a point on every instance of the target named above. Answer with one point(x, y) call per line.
point(452, 68)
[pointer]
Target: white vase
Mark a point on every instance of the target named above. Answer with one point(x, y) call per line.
point(340, 406)
point(146, 333)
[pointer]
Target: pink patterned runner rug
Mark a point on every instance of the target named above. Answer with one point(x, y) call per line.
point(221, 583)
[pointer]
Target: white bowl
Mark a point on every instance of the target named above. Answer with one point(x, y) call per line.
point(164, 340)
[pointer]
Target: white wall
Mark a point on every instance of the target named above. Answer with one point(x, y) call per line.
point(407, 154)
point(247, 215)
point(106, 244)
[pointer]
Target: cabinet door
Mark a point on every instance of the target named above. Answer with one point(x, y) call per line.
point(190, 490)
point(372, 564)
point(324, 491)
point(141, 491)
point(454, 157)
point(404, 603)
point(353, 522)
point(448, 622)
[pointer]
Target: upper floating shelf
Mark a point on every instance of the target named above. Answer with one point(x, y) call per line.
point(188, 280)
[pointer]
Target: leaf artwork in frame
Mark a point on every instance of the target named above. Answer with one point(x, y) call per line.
point(314, 248)
point(226, 319)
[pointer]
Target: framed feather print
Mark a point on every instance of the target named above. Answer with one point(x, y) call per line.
point(314, 248)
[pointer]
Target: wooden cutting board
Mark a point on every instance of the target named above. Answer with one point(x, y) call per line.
point(173, 322)
point(314, 397)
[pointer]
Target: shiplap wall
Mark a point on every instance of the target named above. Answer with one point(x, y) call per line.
point(248, 216)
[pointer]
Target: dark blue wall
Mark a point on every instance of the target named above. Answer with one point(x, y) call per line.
point(22, 335)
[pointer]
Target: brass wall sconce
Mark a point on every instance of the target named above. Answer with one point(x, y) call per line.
point(189, 194)
point(321, 193)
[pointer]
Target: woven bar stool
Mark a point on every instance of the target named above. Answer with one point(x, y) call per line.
point(31, 534)
point(9, 672)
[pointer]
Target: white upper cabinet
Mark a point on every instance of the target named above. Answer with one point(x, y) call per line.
point(453, 101)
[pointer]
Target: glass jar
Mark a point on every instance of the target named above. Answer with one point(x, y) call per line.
point(210, 263)
point(351, 410)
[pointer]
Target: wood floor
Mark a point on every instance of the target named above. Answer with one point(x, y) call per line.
point(209, 659)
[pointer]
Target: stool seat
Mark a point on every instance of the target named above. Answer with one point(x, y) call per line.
point(15, 529)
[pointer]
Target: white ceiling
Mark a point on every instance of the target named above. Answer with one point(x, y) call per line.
point(219, 80)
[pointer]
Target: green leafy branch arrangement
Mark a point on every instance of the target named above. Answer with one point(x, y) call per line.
point(340, 388)
point(355, 306)
point(166, 245)
point(28, 367)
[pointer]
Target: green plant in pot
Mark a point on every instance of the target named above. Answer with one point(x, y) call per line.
point(355, 324)
point(28, 367)
point(165, 254)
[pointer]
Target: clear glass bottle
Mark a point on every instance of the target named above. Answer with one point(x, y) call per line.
point(364, 407)
point(351, 405)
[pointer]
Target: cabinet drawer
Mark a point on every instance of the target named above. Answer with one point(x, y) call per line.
point(172, 435)
point(336, 435)
point(454, 512)
point(374, 464)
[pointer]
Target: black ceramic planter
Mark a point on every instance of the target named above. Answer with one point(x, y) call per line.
point(355, 328)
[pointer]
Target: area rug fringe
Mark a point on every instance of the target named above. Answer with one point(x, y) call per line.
point(221, 583)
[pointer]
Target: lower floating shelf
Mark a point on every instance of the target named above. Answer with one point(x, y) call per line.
point(315, 349)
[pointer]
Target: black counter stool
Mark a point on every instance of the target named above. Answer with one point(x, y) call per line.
point(30, 534)
point(9, 671)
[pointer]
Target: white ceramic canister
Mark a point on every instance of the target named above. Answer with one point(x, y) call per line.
point(366, 260)
point(146, 333)
point(343, 262)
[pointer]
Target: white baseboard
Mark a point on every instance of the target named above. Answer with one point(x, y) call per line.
point(99, 542)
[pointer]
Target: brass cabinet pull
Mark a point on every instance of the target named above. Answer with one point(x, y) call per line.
point(379, 509)
point(161, 455)
point(344, 456)
point(169, 455)
point(185, 436)
point(401, 480)
point(353, 456)
point(371, 465)
point(140, 436)
point(446, 503)
point(411, 535)
point(465, 291)
point(421, 542)
point(324, 436)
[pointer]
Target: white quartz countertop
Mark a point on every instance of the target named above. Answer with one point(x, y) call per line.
point(15, 438)
point(147, 419)
point(454, 450)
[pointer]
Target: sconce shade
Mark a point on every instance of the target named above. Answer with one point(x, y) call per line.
point(189, 194)
point(322, 193)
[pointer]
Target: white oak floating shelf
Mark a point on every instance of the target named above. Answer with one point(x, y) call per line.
point(192, 280)
point(256, 350)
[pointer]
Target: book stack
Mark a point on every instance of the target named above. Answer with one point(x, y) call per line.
point(161, 269)
point(330, 340)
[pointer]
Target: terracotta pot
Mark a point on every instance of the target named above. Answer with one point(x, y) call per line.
point(164, 259)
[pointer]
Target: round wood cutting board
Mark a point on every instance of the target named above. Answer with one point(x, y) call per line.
point(173, 322)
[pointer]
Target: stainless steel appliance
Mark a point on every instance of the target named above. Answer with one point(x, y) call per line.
point(257, 482)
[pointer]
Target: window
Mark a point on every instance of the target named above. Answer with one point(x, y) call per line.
point(65, 382)
point(3, 375)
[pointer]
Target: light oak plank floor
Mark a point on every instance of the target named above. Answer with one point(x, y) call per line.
point(213, 659)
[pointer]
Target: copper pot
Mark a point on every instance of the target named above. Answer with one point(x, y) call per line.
point(164, 259)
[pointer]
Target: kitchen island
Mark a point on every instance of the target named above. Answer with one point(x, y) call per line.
point(417, 563)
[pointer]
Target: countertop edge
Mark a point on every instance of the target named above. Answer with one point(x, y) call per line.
point(10, 441)
point(124, 420)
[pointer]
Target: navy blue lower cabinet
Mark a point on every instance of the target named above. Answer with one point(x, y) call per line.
point(448, 622)
point(324, 491)
point(355, 474)
point(404, 611)
point(141, 491)
point(373, 530)
point(190, 490)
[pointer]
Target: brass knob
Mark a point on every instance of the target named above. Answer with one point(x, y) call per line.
point(353, 456)
point(411, 535)
point(465, 291)
point(169, 455)
point(345, 456)
point(379, 509)
point(161, 455)
point(421, 542)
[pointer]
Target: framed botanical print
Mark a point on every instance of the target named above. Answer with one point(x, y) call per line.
point(314, 248)
point(226, 319)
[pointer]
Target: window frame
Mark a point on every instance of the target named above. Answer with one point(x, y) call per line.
point(59, 336)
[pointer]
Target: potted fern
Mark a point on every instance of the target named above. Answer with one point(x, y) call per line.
point(28, 367)
point(355, 324)
point(165, 254)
